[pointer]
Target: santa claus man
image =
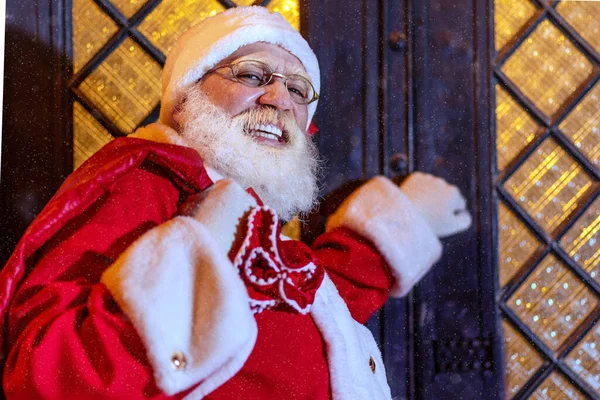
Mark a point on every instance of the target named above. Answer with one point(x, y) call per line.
point(158, 270)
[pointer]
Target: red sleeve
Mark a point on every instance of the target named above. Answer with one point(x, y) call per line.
point(67, 337)
point(359, 272)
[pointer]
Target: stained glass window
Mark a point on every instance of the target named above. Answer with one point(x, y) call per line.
point(548, 68)
point(547, 152)
point(117, 69)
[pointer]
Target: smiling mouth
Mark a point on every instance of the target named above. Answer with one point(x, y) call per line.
point(268, 133)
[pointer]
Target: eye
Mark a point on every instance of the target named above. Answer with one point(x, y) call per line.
point(250, 78)
point(297, 90)
point(250, 73)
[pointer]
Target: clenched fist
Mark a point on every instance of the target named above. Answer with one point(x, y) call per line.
point(440, 203)
point(220, 209)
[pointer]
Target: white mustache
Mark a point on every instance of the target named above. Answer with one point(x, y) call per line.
point(248, 119)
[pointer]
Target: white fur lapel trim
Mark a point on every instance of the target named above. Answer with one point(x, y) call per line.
point(350, 346)
point(184, 297)
point(380, 212)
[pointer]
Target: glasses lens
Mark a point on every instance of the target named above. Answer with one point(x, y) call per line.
point(300, 89)
point(251, 73)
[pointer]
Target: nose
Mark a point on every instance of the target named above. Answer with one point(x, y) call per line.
point(275, 94)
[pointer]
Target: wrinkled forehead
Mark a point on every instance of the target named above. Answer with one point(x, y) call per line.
point(277, 58)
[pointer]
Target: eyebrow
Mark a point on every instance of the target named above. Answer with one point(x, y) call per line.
point(293, 71)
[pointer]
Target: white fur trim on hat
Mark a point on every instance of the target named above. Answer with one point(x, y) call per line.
point(216, 38)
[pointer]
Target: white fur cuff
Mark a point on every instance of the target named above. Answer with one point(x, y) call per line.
point(188, 305)
point(380, 212)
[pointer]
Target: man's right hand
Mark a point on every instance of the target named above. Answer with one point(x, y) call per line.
point(220, 208)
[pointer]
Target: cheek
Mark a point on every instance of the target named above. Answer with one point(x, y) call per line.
point(230, 96)
point(301, 115)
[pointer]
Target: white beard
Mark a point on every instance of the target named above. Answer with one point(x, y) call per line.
point(286, 179)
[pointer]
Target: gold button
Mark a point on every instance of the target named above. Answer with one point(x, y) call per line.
point(372, 364)
point(178, 361)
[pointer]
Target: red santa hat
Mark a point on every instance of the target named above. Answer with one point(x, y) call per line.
point(216, 38)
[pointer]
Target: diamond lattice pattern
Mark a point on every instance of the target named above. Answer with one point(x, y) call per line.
point(549, 185)
point(126, 86)
point(552, 302)
point(548, 68)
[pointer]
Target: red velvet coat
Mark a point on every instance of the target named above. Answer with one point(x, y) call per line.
point(67, 338)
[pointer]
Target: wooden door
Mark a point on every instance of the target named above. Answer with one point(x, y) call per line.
point(406, 87)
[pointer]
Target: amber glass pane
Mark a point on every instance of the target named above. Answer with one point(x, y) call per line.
point(515, 128)
point(521, 360)
point(126, 86)
point(582, 241)
point(128, 7)
point(173, 17)
point(517, 244)
point(290, 9)
point(509, 18)
point(552, 302)
point(584, 16)
point(549, 185)
point(91, 30)
point(547, 68)
point(88, 135)
point(584, 359)
point(556, 387)
point(582, 125)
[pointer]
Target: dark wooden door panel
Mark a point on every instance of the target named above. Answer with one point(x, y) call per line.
point(34, 149)
point(457, 350)
point(430, 104)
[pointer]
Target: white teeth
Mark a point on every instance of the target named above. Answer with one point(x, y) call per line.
point(272, 129)
point(259, 133)
point(268, 131)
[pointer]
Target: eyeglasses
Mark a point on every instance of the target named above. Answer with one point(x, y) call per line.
point(258, 74)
